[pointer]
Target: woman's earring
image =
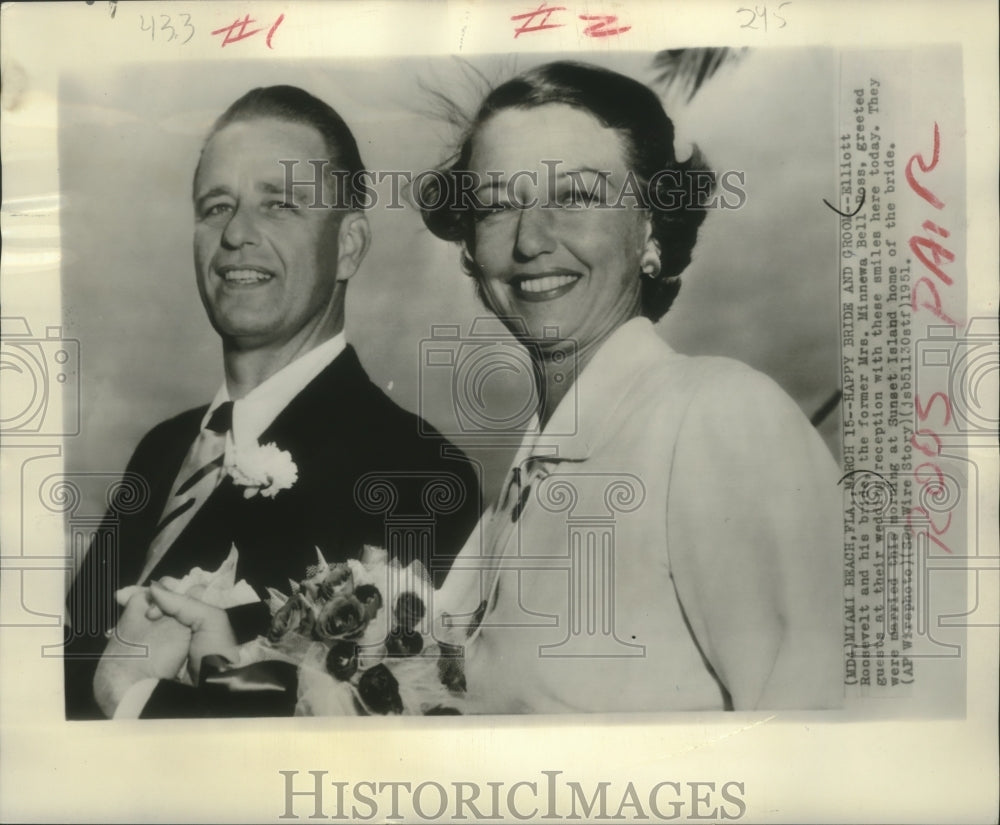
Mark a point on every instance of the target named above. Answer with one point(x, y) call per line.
point(650, 265)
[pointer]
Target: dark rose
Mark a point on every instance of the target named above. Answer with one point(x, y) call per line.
point(342, 660)
point(369, 596)
point(340, 617)
point(404, 642)
point(409, 610)
point(294, 616)
point(379, 690)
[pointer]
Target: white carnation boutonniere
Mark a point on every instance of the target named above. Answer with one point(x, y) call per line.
point(263, 469)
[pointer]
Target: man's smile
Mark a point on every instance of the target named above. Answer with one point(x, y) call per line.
point(243, 275)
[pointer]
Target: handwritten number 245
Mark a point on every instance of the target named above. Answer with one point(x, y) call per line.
point(165, 26)
point(760, 13)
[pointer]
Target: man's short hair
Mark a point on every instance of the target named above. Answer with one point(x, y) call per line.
point(295, 105)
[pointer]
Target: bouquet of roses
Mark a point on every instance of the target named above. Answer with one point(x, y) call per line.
point(359, 634)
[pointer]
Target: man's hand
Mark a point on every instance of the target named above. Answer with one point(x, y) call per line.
point(167, 641)
point(209, 626)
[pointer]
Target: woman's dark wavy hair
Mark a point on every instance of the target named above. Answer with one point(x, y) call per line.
point(620, 103)
point(294, 105)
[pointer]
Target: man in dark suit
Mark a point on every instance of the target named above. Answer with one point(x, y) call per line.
point(298, 448)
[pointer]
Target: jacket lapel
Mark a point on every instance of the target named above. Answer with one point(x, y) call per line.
point(333, 402)
point(160, 474)
point(330, 401)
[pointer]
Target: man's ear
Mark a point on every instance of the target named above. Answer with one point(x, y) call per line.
point(353, 240)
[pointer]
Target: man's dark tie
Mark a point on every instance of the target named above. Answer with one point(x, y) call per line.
point(198, 477)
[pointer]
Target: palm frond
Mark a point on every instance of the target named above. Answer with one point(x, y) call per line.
point(687, 70)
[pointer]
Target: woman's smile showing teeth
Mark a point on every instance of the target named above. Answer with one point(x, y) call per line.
point(544, 287)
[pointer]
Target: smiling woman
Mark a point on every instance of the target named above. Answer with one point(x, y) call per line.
point(702, 559)
point(572, 268)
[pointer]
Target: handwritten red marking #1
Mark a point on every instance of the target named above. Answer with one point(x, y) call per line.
point(237, 30)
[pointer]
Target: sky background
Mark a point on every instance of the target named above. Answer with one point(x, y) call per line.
point(762, 287)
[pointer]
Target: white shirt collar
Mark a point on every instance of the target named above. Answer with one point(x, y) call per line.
point(254, 413)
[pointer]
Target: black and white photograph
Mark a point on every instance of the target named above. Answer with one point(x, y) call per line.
point(675, 519)
point(583, 383)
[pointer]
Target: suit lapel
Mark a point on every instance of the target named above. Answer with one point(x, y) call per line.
point(331, 402)
point(160, 474)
